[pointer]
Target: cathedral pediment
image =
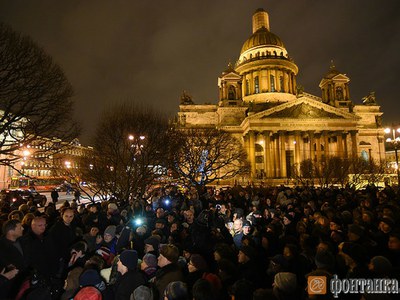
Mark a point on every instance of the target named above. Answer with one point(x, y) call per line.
point(304, 108)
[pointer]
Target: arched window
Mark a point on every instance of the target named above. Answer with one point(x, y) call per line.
point(231, 93)
point(272, 80)
point(256, 85)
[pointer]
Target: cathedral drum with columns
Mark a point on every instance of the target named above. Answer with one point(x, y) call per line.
point(278, 123)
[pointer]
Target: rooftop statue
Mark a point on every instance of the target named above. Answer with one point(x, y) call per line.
point(186, 99)
point(370, 99)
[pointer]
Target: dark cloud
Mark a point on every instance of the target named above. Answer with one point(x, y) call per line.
point(149, 51)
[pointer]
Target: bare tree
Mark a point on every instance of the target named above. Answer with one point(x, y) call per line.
point(129, 151)
point(204, 156)
point(35, 99)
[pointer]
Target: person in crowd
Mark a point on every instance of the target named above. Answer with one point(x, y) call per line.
point(130, 278)
point(149, 266)
point(169, 269)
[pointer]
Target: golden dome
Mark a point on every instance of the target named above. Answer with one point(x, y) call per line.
point(262, 37)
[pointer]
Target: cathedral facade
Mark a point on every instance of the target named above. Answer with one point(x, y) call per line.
point(278, 123)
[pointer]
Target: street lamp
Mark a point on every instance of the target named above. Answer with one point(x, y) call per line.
point(395, 141)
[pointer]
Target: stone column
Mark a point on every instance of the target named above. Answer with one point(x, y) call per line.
point(312, 152)
point(353, 134)
point(346, 153)
point(297, 154)
point(318, 142)
point(267, 154)
point(252, 154)
point(340, 144)
point(326, 144)
point(282, 148)
point(277, 157)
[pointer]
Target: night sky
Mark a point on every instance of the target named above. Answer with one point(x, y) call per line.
point(150, 51)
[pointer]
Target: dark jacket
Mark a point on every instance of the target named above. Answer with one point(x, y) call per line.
point(164, 276)
point(127, 283)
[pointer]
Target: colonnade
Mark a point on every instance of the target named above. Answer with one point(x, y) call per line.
point(283, 81)
point(282, 149)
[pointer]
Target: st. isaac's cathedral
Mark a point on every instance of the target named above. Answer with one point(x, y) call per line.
point(279, 124)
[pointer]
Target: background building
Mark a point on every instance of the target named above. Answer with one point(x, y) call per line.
point(278, 123)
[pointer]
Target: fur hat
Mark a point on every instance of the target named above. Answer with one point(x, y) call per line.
point(111, 230)
point(129, 258)
point(198, 262)
point(150, 260)
point(170, 252)
point(286, 282)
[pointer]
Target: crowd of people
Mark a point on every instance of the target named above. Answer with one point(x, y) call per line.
point(202, 244)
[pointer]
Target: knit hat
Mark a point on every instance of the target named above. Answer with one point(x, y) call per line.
point(170, 252)
point(176, 290)
point(112, 206)
point(88, 293)
point(357, 252)
point(286, 282)
point(142, 292)
point(356, 229)
point(111, 230)
point(150, 260)
point(198, 262)
point(248, 251)
point(382, 265)
point(129, 258)
point(324, 259)
point(90, 277)
point(153, 241)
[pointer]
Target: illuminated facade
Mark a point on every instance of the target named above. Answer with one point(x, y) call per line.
point(278, 123)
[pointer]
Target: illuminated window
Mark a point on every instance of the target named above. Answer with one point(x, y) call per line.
point(364, 155)
point(272, 80)
point(256, 85)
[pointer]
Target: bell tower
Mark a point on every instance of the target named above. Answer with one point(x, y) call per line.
point(335, 88)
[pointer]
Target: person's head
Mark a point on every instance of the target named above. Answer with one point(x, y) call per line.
point(38, 225)
point(242, 290)
point(203, 290)
point(12, 229)
point(189, 216)
point(160, 212)
point(238, 225)
point(168, 254)
point(94, 231)
point(128, 260)
point(176, 290)
point(67, 215)
point(109, 233)
point(160, 223)
point(149, 261)
point(93, 209)
point(394, 241)
point(246, 227)
point(246, 253)
point(197, 263)
point(152, 243)
point(79, 249)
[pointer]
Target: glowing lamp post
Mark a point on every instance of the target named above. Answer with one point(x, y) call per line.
point(395, 141)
